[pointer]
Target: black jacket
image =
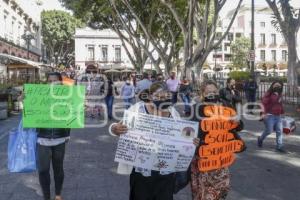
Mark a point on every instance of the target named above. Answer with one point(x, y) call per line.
point(53, 133)
point(230, 99)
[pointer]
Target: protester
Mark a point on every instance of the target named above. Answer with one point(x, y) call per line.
point(153, 78)
point(133, 79)
point(250, 88)
point(214, 184)
point(109, 90)
point(143, 84)
point(173, 86)
point(185, 91)
point(147, 184)
point(127, 93)
point(273, 109)
point(51, 146)
point(160, 78)
point(229, 94)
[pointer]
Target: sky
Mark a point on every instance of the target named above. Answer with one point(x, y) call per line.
point(51, 5)
point(231, 4)
point(55, 4)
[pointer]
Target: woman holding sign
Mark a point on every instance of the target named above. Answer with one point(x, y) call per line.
point(148, 184)
point(218, 141)
point(51, 148)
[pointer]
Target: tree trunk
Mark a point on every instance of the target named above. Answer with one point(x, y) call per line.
point(292, 75)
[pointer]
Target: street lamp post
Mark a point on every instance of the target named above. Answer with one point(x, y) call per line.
point(27, 37)
point(252, 37)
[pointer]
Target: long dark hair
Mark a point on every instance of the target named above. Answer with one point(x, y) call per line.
point(270, 90)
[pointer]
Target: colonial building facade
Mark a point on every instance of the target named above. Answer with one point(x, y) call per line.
point(16, 19)
point(270, 46)
point(102, 49)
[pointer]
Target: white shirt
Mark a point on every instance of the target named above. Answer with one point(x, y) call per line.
point(173, 84)
point(52, 142)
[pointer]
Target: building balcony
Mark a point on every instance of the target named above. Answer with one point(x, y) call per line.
point(273, 45)
point(262, 45)
point(16, 44)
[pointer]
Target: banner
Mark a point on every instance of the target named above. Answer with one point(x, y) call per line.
point(220, 143)
point(157, 143)
point(53, 106)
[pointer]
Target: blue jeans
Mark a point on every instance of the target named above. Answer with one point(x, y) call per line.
point(187, 100)
point(128, 102)
point(109, 100)
point(273, 122)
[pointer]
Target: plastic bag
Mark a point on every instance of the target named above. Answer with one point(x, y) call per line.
point(288, 125)
point(22, 150)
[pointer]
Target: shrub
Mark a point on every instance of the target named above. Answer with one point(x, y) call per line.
point(239, 75)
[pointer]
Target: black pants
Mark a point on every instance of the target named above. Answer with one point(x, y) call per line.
point(154, 187)
point(46, 154)
point(174, 97)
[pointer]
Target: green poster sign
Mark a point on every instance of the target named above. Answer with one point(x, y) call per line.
point(53, 106)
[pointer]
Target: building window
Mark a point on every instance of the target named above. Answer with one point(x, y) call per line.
point(263, 24)
point(262, 55)
point(118, 54)
point(238, 35)
point(104, 53)
point(5, 23)
point(91, 53)
point(273, 37)
point(284, 55)
point(230, 37)
point(262, 39)
point(273, 52)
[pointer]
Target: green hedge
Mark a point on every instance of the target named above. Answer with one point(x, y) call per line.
point(272, 79)
point(239, 75)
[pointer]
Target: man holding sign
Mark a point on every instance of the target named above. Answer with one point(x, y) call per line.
point(52, 109)
point(154, 143)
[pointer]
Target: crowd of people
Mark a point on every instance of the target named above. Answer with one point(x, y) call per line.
point(157, 95)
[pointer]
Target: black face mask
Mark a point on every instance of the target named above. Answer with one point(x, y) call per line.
point(277, 89)
point(162, 104)
point(213, 98)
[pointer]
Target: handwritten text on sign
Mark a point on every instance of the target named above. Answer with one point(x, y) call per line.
point(220, 142)
point(157, 143)
point(53, 106)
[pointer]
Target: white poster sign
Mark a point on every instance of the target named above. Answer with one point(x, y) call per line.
point(157, 143)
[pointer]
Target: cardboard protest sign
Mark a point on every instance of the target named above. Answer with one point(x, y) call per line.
point(157, 143)
point(53, 106)
point(220, 144)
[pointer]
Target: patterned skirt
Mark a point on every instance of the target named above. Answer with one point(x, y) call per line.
point(212, 185)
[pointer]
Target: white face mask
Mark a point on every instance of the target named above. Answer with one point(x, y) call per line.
point(128, 82)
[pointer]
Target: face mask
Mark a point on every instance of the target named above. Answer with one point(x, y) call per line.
point(232, 87)
point(162, 104)
point(128, 82)
point(277, 89)
point(213, 98)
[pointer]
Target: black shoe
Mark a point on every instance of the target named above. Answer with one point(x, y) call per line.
point(259, 142)
point(281, 150)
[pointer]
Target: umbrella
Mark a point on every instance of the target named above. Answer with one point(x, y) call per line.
point(111, 71)
point(126, 70)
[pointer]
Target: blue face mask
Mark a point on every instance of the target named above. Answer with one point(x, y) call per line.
point(162, 104)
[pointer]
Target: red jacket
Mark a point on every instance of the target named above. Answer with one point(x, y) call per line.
point(272, 104)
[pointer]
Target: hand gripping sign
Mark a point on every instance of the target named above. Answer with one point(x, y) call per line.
point(220, 143)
